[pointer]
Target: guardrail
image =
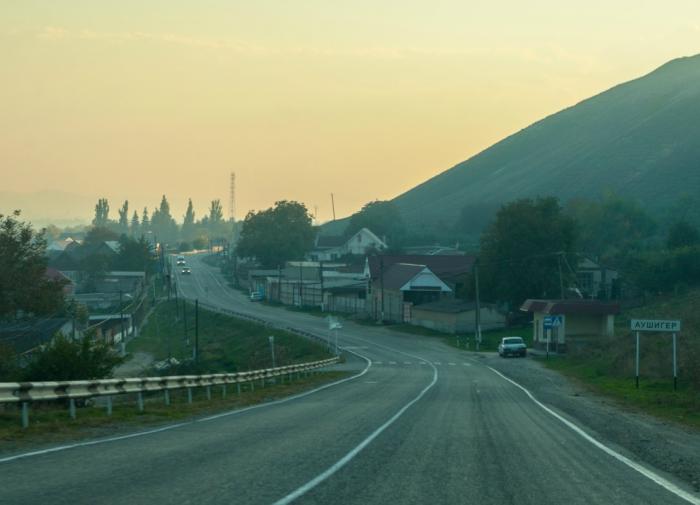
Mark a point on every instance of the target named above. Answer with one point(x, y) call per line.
point(27, 392)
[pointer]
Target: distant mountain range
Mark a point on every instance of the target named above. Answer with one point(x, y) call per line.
point(640, 140)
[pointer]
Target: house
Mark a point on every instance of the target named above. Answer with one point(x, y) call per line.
point(454, 270)
point(433, 250)
point(329, 248)
point(596, 281)
point(23, 336)
point(457, 316)
point(582, 320)
point(400, 286)
point(58, 276)
point(74, 254)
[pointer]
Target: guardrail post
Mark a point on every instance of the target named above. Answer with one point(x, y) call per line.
point(238, 388)
point(167, 397)
point(109, 405)
point(252, 385)
point(289, 377)
point(140, 401)
point(71, 408)
point(223, 391)
point(25, 415)
point(189, 395)
point(208, 392)
point(262, 382)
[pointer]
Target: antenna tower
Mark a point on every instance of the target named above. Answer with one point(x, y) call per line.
point(232, 198)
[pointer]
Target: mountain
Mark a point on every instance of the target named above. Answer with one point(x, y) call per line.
point(640, 140)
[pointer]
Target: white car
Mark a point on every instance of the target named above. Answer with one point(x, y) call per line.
point(256, 296)
point(512, 346)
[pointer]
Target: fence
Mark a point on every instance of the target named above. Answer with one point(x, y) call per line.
point(27, 392)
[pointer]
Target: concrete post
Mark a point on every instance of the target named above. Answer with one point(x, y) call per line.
point(140, 401)
point(25, 415)
point(71, 407)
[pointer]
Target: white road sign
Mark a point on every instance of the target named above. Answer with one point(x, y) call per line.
point(672, 326)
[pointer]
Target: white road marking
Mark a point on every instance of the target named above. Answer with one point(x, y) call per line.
point(451, 364)
point(355, 451)
point(178, 425)
point(467, 364)
point(437, 363)
point(407, 363)
point(669, 486)
point(392, 362)
point(371, 382)
point(377, 362)
point(423, 363)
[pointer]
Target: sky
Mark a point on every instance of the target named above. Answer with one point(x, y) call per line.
point(301, 99)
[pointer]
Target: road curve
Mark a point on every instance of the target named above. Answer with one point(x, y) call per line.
point(424, 424)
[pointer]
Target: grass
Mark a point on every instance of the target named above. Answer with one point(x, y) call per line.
point(226, 344)
point(50, 422)
point(654, 396)
point(489, 338)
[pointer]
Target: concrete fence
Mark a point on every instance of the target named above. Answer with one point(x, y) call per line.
point(27, 392)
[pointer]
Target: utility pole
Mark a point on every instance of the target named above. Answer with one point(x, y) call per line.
point(196, 330)
point(381, 284)
point(561, 279)
point(333, 205)
point(477, 312)
point(184, 319)
point(279, 283)
point(320, 270)
point(272, 350)
point(301, 275)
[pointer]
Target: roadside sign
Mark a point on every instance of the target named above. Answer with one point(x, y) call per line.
point(553, 322)
point(671, 326)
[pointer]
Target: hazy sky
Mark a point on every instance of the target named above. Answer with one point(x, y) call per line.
point(365, 99)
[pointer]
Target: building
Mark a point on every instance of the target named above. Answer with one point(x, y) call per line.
point(329, 248)
point(399, 286)
point(596, 281)
point(456, 316)
point(582, 319)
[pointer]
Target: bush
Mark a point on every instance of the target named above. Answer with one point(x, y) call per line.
point(67, 359)
point(9, 366)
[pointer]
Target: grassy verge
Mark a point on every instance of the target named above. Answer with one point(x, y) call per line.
point(489, 339)
point(654, 396)
point(226, 344)
point(50, 423)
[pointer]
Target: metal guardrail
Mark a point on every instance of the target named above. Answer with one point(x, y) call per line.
point(27, 392)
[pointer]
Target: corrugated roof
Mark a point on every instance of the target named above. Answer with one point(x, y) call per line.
point(398, 274)
point(444, 266)
point(451, 305)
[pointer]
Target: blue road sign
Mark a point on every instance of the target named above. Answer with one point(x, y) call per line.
point(553, 322)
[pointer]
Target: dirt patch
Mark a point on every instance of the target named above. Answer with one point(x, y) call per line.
point(664, 445)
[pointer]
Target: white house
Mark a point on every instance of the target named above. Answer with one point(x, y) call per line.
point(331, 248)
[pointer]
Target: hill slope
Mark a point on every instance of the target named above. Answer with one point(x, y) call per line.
point(640, 139)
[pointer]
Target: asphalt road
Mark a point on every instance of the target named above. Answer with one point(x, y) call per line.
point(423, 424)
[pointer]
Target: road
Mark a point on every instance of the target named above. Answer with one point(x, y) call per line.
point(419, 423)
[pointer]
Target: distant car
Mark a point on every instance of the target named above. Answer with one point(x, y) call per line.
point(180, 260)
point(256, 296)
point(512, 346)
point(186, 271)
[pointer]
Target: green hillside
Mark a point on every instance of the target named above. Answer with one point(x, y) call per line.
point(638, 139)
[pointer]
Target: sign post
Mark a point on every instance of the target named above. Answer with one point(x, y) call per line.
point(660, 326)
point(550, 322)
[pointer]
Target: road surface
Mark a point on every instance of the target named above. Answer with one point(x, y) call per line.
point(419, 423)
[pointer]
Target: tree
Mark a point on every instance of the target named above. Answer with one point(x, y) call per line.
point(383, 219)
point(521, 251)
point(134, 255)
point(188, 223)
point(682, 234)
point(98, 234)
point(64, 359)
point(101, 213)
point(134, 229)
point(216, 225)
point(124, 218)
point(145, 222)
point(277, 234)
point(612, 228)
point(24, 285)
point(162, 223)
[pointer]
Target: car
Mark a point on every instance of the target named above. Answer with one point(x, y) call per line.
point(180, 260)
point(512, 346)
point(186, 271)
point(256, 296)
